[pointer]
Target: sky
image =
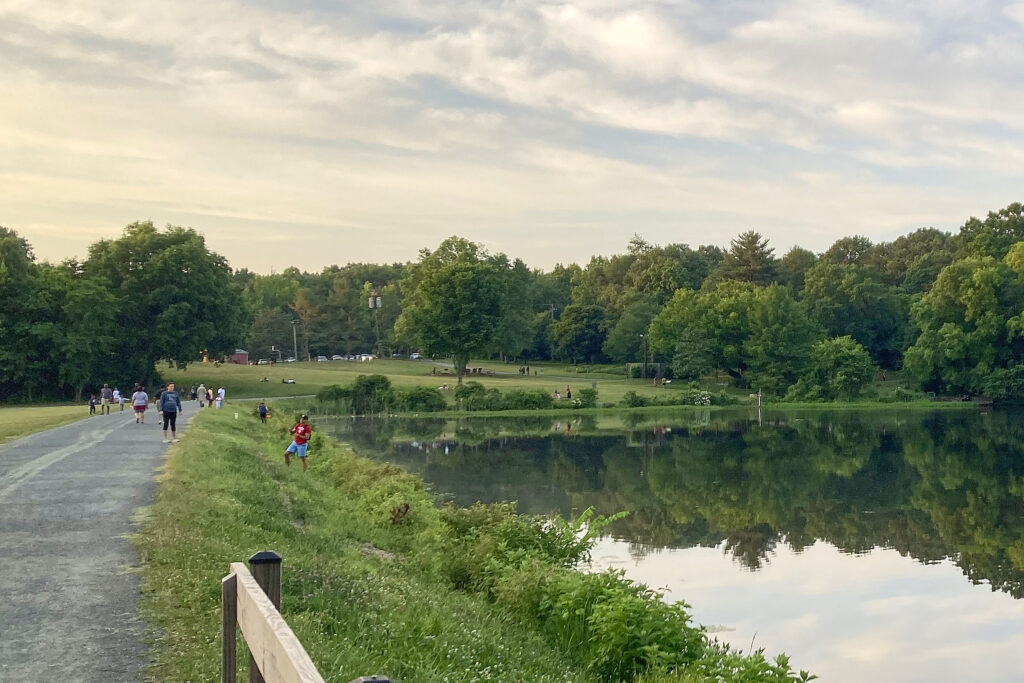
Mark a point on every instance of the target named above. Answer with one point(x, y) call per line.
point(309, 133)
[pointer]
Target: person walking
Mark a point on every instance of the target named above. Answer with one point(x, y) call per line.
point(209, 397)
point(139, 401)
point(117, 397)
point(170, 406)
point(302, 432)
point(106, 396)
point(201, 393)
point(92, 404)
point(262, 410)
point(192, 392)
point(220, 397)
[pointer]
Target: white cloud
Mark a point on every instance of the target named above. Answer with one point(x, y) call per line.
point(596, 119)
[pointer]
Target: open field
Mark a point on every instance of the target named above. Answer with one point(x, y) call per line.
point(243, 381)
point(16, 422)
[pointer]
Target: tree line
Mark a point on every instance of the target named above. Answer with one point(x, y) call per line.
point(947, 307)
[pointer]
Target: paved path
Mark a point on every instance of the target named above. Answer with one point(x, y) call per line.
point(68, 592)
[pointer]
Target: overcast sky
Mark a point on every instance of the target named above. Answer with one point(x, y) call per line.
point(308, 132)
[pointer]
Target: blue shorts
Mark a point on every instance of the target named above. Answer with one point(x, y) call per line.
point(299, 450)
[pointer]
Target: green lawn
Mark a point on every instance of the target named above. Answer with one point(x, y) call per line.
point(22, 421)
point(243, 381)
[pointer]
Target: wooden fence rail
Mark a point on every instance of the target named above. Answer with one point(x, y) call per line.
point(252, 600)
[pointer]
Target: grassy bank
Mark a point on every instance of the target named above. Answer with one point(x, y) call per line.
point(17, 422)
point(471, 595)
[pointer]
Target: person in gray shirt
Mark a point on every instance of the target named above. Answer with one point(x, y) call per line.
point(170, 406)
point(106, 396)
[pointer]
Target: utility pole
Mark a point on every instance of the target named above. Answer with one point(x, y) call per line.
point(644, 338)
point(295, 341)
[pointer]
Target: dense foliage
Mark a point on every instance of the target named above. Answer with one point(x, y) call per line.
point(946, 306)
point(147, 297)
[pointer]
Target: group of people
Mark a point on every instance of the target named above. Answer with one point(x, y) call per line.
point(207, 396)
point(568, 393)
point(166, 401)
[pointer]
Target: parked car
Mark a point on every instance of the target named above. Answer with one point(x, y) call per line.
point(414, 356)
point(321, 359)
point(367, 356)
point(263, 361)
point(337, 357)
point(289, 360)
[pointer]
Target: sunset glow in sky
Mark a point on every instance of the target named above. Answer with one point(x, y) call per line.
point(312, 132)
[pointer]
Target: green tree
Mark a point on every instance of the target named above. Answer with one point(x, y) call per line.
point(994, 236)
point(852, 300)
point(794, 266)
point(849, 250)
point(456, 302)
point(17, 284)
point(839, 368)
point(781, 336)
point(969, 323)
point(749, 259)
point(913, 261)
point(623, 343)
point(177, 298)
point(579, 333)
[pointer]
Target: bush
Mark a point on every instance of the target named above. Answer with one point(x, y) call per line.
point(525, 400)
point(420, 400)
point(372, 394)
point(587, 398)
point(633, 400)
point(470, 396)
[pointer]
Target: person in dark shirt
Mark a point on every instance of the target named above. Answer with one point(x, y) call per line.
point(170, 405)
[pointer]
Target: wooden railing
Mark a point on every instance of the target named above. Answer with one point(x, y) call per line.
point(252, 600)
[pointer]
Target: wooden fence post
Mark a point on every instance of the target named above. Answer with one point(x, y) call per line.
point(266, 569)
point(229, 615)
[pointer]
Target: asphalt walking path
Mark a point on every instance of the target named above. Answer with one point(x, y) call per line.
point(69, 585)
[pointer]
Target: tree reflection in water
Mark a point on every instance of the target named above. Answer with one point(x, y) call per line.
point(934, 485)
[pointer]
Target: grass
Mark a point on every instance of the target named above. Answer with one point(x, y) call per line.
point(243, 381)
point(16, 422)
point(227, 494)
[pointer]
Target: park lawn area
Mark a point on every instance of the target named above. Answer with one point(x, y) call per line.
point(243, 381)
point(16, 422)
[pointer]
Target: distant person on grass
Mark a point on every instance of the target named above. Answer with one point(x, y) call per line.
point(117, 397)
point(170, 406)
point(106, 396)
point(220, 397)
point(92, 404)
point(139, 400)
point(201, 393)
point(262, 410)
point(302, 431)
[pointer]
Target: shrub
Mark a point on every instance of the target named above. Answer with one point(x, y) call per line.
point(470, 396)
point(525, 400)
point(587, 398)
point(372, 394)
point(633, 400)
point(420, 399)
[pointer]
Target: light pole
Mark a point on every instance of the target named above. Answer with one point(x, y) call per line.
point(376, 303)
point(643, 338)
point(295, 341)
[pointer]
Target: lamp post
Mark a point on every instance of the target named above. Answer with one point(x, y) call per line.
point(643, 338)
point(376, 303)
point(295, 341)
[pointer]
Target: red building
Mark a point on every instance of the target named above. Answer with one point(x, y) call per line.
point(239, 357)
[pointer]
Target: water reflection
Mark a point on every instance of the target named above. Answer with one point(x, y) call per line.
point(932, 486)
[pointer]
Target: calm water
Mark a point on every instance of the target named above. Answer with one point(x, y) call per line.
point(868, 546)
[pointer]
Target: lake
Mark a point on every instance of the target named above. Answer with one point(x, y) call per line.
point(881, 545)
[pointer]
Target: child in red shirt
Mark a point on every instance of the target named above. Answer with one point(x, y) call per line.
point(302, 431)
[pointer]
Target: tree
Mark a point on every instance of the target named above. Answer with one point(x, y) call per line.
point(719, 318)
point(794, 266)
point(994, 236)
point(456, 301)
point(913, 261)
point(177, 298)
point(970, 325)
point(17, 284)
point(749, 260)
point(839, 368)
point(849, 250)
point(623, 343)
point(781, 336)
point(852, 300)
point(579, 333)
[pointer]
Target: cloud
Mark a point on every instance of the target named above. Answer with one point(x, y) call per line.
point(577, 123)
